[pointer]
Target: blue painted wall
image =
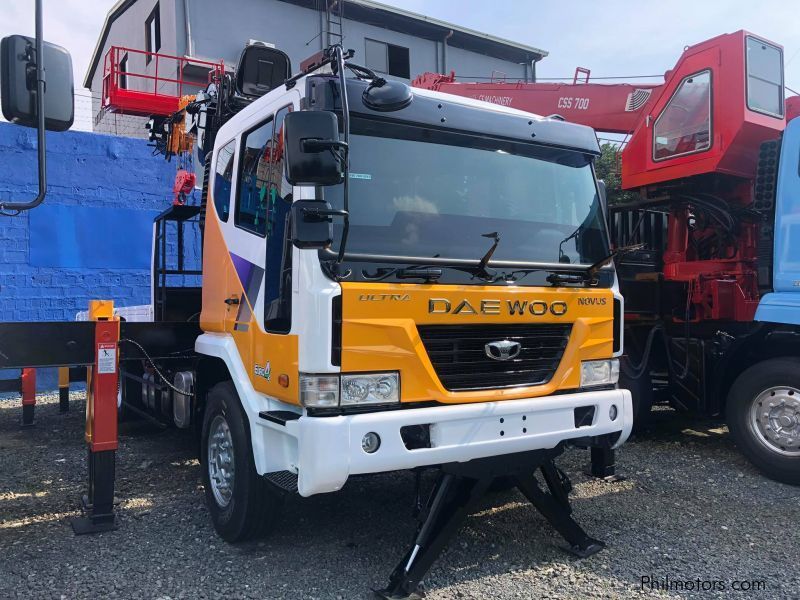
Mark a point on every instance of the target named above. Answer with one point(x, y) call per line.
point(85, 170)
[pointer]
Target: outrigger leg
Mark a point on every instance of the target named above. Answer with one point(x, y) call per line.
point(602, 464)
point(555, 507)
point(458, 488)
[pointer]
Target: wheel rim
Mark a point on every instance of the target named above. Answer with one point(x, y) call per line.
point(775, 420)
point(221, 464)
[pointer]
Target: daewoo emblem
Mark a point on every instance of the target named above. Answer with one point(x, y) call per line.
point(502, 350)
point(537, 308)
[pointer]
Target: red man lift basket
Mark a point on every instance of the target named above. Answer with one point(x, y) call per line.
point(142, 83)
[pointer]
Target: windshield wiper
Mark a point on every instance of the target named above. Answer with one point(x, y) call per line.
point(480, 270)
point(592, 271)
point(428, 274)
point(562, 256)
point(590, 274)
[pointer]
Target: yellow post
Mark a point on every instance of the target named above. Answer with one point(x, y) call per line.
point(99, 310)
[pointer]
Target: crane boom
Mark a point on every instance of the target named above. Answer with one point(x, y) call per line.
point(610, 107)
point(712, 109)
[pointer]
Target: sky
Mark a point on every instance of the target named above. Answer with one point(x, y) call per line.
point(610, 37)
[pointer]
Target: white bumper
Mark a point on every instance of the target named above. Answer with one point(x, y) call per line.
point(329, 448)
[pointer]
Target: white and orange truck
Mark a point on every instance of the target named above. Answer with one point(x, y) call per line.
point(391, 280)
point(396, 280)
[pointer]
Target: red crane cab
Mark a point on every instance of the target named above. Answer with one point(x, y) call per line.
point(723, 98)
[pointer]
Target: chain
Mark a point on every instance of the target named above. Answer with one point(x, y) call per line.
point(155, 368)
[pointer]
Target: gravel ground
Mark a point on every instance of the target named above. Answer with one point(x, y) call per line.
point(691, 507)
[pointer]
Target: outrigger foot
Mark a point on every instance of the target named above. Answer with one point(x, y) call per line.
point(388, 595)
point(602, 465)
point(457, 490)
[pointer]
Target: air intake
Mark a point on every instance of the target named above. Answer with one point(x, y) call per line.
point(637, 99)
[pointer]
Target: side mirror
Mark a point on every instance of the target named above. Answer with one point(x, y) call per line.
point(18, 83)
point(312, 226)
point(312, 148)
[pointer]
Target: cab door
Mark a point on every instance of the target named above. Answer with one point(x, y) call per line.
point(261, 255)
point(220, 287)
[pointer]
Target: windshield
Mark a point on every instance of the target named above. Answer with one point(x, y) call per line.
point(425, 193)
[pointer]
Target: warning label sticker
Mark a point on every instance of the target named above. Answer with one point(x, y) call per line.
point(106, 357)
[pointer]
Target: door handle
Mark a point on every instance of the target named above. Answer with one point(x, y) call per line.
point(232, 301)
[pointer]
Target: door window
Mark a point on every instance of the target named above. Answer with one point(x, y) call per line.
point(254, 179)
point(277, 276)
point(223, 178)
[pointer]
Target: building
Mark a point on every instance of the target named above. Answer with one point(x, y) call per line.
point(391, 41)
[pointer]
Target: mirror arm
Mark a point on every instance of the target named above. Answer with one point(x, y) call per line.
point(20, 206)
point(323, 214)
point(312, 145)
point(340, 65)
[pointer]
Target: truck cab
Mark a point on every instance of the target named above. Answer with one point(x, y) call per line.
point(395, 280)
point(782, 304)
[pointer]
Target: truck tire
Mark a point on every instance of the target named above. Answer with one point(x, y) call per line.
point(763, 414)
point(241, 504)
point(641, 390)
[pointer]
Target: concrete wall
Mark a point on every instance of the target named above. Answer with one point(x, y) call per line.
point(224, 33)
point(85, 170)
point(221, 30)
point(423, 55)
point(296, 31)
point(129, 32)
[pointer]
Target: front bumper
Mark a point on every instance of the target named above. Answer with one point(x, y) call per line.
point(329, 448)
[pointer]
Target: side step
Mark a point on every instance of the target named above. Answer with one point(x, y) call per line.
point(285, 480)
point(458, 489)
point(279, 416)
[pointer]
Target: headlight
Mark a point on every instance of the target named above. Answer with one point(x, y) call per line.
point(371, 388)
point(325, 391)
point(599, 372)
point(321, 391)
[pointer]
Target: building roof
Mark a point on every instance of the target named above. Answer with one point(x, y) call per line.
point(116, 11)
point(382, 15)
point(398, 19)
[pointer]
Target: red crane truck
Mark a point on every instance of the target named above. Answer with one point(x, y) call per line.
point(712, 314)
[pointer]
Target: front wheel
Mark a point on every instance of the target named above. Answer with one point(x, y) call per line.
point(763, 414)
point(241, 504)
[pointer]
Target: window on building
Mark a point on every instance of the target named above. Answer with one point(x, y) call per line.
point(223, 179)
point(684, 126)
point(388, 59)
point(254, 179)
point(764, 78)
point(152, 32)
point(123, 73)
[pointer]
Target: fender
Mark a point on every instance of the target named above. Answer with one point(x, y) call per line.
point(273, 445)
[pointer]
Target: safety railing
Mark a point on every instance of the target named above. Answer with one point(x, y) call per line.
point(137, 82)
